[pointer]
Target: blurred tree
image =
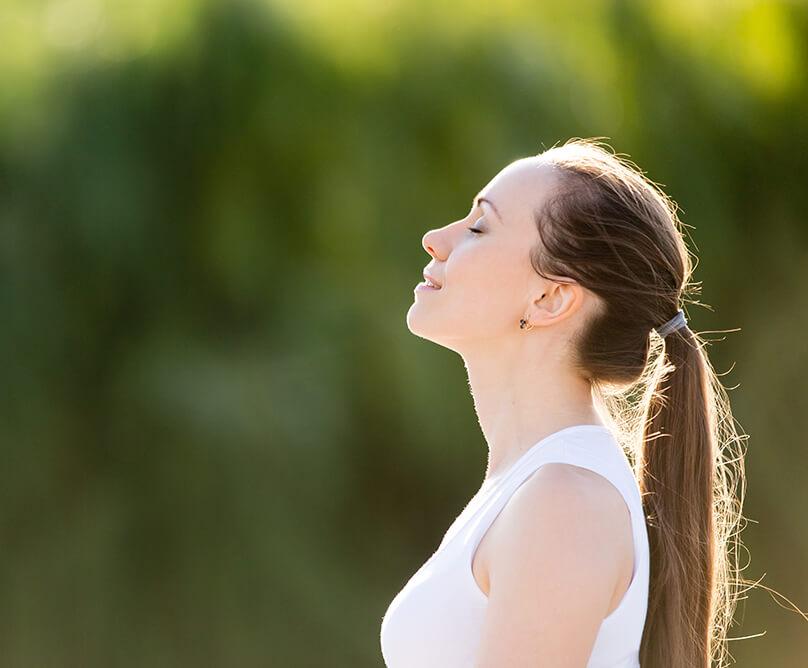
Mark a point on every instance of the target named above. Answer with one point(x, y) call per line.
point(220, 440)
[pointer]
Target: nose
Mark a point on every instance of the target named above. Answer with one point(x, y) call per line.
point(429, 241)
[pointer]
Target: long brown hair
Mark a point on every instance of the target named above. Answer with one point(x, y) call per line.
point(617, 234)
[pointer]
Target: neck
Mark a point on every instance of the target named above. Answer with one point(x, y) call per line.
point(522, 394)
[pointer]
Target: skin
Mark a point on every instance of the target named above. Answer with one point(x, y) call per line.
point(558, 558)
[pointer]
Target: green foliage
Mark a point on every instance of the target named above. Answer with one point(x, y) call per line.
point(221, 444)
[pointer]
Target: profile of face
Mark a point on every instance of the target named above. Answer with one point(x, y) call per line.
point(482, 265)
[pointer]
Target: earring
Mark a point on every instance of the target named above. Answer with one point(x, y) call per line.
point(522, 323)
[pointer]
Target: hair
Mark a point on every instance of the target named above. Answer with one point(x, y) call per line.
point(617, 234)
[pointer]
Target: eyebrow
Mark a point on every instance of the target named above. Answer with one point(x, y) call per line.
point(480, 199)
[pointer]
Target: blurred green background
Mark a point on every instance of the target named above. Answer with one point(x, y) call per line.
point(221, 446)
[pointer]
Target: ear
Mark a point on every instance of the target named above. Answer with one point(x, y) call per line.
point(558, 301)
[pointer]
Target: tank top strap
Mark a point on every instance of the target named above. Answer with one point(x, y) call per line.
point(595, 451)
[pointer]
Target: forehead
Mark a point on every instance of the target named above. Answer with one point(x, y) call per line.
point(522, 187)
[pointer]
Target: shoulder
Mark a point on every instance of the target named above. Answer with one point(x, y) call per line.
point(571, 507)
point(560, 489)
point(559, 553)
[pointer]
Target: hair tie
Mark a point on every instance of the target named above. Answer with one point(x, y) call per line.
point(676, 322)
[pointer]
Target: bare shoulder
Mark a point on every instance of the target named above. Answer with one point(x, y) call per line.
point(574, 484)
point(577, 506)
point(559, 565)
point(562, 491)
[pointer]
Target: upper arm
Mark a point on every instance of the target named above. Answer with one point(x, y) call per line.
point(553, 571)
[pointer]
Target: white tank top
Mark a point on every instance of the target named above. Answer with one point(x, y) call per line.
point(436, 620)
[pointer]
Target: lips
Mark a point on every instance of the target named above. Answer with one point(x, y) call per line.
point(432, 280)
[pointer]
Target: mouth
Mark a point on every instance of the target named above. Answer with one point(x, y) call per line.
point(427, 285)
point(431, 282)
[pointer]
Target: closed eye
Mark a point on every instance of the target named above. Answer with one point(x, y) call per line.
point(474, 230)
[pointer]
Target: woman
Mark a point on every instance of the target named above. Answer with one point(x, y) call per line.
point(604, 534)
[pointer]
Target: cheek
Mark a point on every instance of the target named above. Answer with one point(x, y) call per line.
point(489, 280)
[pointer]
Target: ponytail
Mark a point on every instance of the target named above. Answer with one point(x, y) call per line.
point(688, 482)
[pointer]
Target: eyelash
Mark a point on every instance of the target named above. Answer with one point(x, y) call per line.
point(474, 229)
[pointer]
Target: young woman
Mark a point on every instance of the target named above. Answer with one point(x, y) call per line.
point(605, 531)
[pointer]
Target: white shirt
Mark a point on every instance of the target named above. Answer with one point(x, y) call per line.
point(436, 620)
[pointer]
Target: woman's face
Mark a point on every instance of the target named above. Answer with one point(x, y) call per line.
point(482, 262)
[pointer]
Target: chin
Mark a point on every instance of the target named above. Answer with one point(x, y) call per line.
point(413, 320)
point(418, 322)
